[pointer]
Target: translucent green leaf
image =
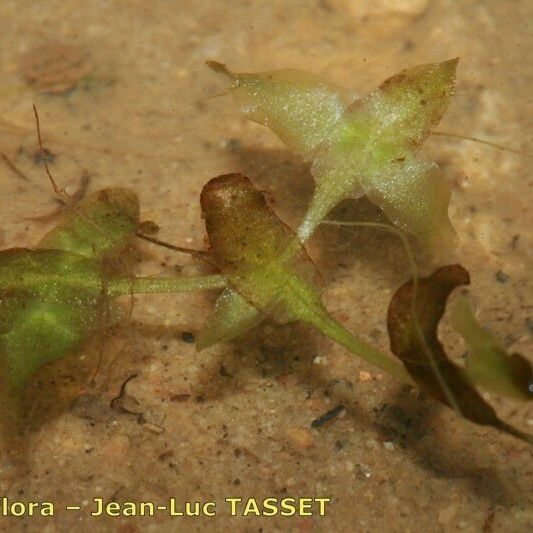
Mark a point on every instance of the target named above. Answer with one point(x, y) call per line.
point(374, 150)
point(52, 299)
point(369, 147)
point(100, 225)
point(487, 363)
point(231, 316)
point(299, 107)
point(50, 302)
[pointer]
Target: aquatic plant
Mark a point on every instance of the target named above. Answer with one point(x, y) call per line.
point(53, 297)
point(361, 146)
point(265, 264)
point(268, 269)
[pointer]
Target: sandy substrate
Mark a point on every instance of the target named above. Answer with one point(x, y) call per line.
point(235, 420)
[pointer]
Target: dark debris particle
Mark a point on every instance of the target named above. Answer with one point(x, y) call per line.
point(339, 445)
point(514, 242)
point(200, 399)
point(43, 155)
point(233, 146)
point(166, 455)
point(326, 417)
point(407, 45)
point(122, 392)
point(223, 372)
point(236, 482)
point(179, 397)
point(164, 348)
point(188, 337)
point(501, 277)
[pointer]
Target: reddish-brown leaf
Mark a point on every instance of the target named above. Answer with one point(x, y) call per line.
point(413, 317)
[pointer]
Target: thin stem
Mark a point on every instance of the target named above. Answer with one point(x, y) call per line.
point(412, 263)
point(189, 251)
point(383, 227)
point(123, 286)
point(482, 141)
point(61, 193)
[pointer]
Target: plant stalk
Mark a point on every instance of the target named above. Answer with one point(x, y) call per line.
point(145, 285)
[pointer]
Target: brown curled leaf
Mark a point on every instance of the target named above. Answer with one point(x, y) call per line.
point(412, 326)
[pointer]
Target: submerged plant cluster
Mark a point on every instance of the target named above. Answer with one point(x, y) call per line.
point(56, 295)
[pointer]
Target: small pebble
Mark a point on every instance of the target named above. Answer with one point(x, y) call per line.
point(300, 437)
point(388, 445)
point(501, 277)
point(447, 514)
point(367, 473)
point(154, 428)
point(372, 444)
point(365, 376)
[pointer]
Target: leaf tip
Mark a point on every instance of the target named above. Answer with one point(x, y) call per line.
point(448, 69)
point(220, 68)
point(451, 64)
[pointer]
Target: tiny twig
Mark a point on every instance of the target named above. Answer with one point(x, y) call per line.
point(326, 417)
point(78, 195)
point(190, 251)
point(61, 193)
point(122, 391)
point(13, 168)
